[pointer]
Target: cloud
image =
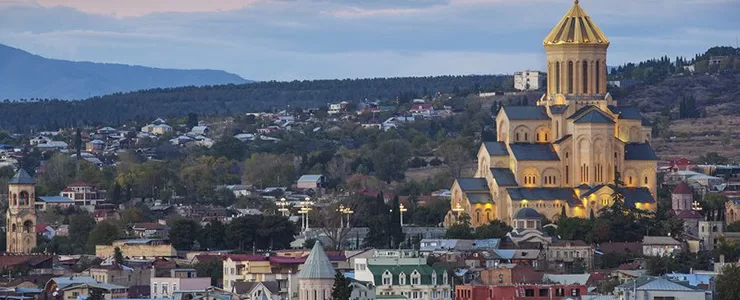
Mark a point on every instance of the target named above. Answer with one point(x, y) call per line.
point(303, 39)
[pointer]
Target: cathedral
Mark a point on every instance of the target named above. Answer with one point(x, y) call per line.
point(21, 215)
point(564, 154)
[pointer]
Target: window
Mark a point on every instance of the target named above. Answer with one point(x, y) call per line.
point(387, 278)
point(500, 278)
point(526, 138)
point(402, 278)
point(154, 288)
point(598, 77)
point(570, 77)
point(544, 292)
point(415, 278)
point(529, 293)
point(444, 281)
point(646, 180)
point(560, 292)
point(664, 298)
point(575, 292)
point(557, 77)
point(585, 77)
point(165, 289)
point(517, 136)
point(434, 278)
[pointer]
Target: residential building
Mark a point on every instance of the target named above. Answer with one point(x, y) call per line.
point(660, 246)
point(732, 211)
point(179, 279)
point(565, 255)
point(422, 109)
point(150, 230)
point(710, 233)
point(120, 275)
point(201, 130)
point(562, 153)
point(69, 288)
point(95, 146)
point(257, 290)
point(84, 194)
point(508, 274)
point(45, 202)
point(529, 80)
point(245, 267)
point(143, 248)
point(157, 129)
point(656, 288)
point(520, 292)
point(313, 182)
point(409, 277)
point(335, 108)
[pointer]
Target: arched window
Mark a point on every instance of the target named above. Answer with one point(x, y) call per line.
point(28, 226)
point(567, 173)
point(24, 198)
point(646, 180)
point(598, 77)
point(585, 77)
point(526, 138)
point(570, 77)
point(517, 136)
point(13, 228)
point(557, 77)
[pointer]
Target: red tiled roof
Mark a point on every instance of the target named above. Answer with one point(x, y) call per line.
point(41, 227)
point(15, 260)
point(683, 189)
point(287, 260)
point(246, 257)
point(208, 258)
point(689, 214)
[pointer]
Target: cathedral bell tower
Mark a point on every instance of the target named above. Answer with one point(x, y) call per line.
point(21, 215)
point(576, 61)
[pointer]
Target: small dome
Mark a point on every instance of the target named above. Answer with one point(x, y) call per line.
point(527, 214)
point(683, 189)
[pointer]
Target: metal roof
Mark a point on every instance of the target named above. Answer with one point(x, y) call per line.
point(527, 213)
point(479, 197)
point(558, 109)
point(659, 240)
point(626, 112)
point(496, 148)
point(317, 265)
point(472, 184)
point(56, 199)
point(526, 112)
point(524, 151)
point(547, 194)
point(504, 177)
point(21, 177)
point(310, 178)
point(594, 116)
point(639, 151)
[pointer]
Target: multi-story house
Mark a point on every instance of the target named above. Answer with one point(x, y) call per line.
point(120, 275)
point(179, 279)
point(410, 277)
point(245, 267)
point(84, 194)
point(563, 255)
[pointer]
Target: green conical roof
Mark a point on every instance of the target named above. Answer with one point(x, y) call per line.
point(317, 265)
point(22, 177)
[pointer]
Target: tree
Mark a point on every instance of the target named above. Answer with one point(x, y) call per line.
point(81, 224)
point(395, 230)
point(727, 286)
point(574, 229)
point(183, 233)
point(96, 294)
point(104, 233)
point(661, 265)
point(733, 227)
point(230, 148)
point(308, 243)
point(192, 120)
point(266, 170)
point(714, 158)
point(213, 269)
point(494, 229)
point(455, 155)
point(391, 167)
point(212, 235)
point(118, 255)
point(342, 289)
point(462, 230)
point(78, 143)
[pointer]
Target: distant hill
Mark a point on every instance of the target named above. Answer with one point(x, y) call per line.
point(25, 76)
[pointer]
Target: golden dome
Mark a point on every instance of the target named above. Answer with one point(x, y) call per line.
point(576, 28)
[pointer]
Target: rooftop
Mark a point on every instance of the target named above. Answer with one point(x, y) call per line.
point(21, 177)
point(524, 151)
point(576, 28)
point(317, 265)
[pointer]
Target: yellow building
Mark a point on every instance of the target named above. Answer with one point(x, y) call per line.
point(152, 248)
point(246, 268)
point(21, 215)
point(566, 150)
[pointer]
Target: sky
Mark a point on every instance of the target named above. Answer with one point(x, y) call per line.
point(322, 39)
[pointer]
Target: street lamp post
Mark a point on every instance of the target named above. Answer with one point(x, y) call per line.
point(305, 208)
point(344, 210)
point(402, 210)
point(283, 207)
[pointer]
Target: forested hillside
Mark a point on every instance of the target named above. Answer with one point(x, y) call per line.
point(229, 99)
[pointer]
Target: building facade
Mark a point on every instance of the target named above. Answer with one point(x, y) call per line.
point(179, 279)
point(408, 277)
point(21, 215)
point(529, 80)
point(316, 279)
point(568, 151)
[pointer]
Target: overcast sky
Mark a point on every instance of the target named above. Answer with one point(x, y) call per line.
point(311, 39)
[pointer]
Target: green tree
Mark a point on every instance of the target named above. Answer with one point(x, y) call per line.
point(104, 233)
point(118, 255)
point(462, 230)
point(714, 158)
point(574, 229)
point(727, 286)
point(81, 225)
point(266, 170)
point(230, 148)
point(212, 235)
point(391, 167)
point(183, 233)
point(661, 265)
point(192, 120)
point(78, 143)
point(733, 227)
point(455, 155)
point(213, 269)
point(494, 229)
point(395, 230)
point(342, 289)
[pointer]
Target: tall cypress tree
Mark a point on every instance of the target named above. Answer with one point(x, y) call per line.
point(395, 230)
point(341, 290)
point(78, 143)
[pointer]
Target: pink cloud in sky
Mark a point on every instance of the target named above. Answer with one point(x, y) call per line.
point(133, 8)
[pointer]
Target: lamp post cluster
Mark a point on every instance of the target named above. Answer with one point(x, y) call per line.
point(284, 207)
point(344, 211)
point(305, 207)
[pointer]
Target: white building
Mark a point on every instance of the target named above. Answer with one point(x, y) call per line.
point(529, 80)
point(410, 277)
point(648, 287)
point(660, 246)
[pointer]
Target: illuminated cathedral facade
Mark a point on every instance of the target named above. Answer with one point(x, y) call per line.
point(564, 154)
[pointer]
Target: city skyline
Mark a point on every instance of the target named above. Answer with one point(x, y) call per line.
point(286, 40)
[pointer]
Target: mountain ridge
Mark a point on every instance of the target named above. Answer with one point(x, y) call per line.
point(30, 76)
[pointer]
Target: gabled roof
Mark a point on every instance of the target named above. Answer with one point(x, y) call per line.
point(496, 148)
point(526, 112)
point(563, 139)
point(626, 112)
point(594, 116)
point(546, 194)
point(472, 184)
point(522, 152)
point(639, 151)
point(660, 240)
point(479, 197)
point(424, 270)
point(317, 265)
point(652, 283)
point(21, 177)
point(310, 178)
point(682, 189)
point(504, 177)
point(56, 199)
point(558, 109)
point(631, 195)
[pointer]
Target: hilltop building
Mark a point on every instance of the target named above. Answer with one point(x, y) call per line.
point(21, 215)
point(565, 153)
point(529, 80)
